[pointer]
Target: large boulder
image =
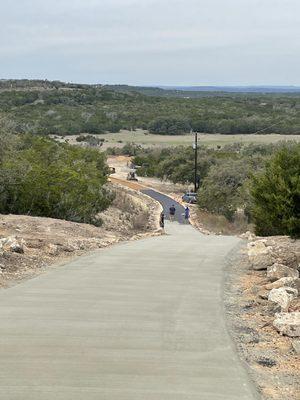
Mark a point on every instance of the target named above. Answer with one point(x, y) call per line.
point(283, 297)
point(277, 271)
point(261, 261)
point(284, 255)
point(288, 323)
point(284, 282)
point(256, 247)
point(260, 255)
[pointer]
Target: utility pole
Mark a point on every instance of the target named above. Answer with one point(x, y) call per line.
point(195, 147)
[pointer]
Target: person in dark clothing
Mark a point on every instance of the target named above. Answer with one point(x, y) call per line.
point(172, 211)
point(162, 220)
point(186, 214)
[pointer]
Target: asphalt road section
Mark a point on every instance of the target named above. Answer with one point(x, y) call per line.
point(141, 320)
point(167, 202)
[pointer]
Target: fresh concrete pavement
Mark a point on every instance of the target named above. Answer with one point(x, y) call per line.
point(138, 321)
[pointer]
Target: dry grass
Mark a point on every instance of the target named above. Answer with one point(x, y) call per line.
point(146, 139)
point(212, 140)
point(218, 224)
point(133, 209)
point(140, 221)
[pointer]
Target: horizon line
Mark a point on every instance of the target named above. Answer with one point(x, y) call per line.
point(158, 85)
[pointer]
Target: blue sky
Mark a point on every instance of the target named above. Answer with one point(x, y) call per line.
point(170, 42)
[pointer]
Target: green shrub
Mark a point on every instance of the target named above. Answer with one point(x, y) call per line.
point(44, 178)
point(222, 191)
point(276, 194)
point(81, 138)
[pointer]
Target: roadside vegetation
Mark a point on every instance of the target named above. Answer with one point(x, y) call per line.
point(276, 194)
point(40, 177)
point(258, 184)
point(65, 109)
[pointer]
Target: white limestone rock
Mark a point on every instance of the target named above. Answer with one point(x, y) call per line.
point(283, 297)
point(288, 323)
point(277, 271)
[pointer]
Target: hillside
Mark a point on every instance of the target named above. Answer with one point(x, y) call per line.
point(43, 107)
point(204, 91)
point(29, 244)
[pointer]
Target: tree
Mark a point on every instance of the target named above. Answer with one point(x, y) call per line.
point(276, 194)
point(169, 126)
point(6, 140)
point(222, 191)
point(45, 178)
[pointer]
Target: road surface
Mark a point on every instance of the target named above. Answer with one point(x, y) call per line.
point(167, 202)
point(138, 321)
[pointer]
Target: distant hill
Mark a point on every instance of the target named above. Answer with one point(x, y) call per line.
point(37, 84)
point(204, 91)
point(160, 91)
point(236, 89)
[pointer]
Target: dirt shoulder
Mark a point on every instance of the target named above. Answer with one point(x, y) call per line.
point(29, 245)
point(271, 357)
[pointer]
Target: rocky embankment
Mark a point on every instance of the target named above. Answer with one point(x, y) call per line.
point(280, 259)
point(29, 245)
point(263, 306)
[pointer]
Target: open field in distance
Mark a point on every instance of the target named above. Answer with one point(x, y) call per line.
point(145, 139)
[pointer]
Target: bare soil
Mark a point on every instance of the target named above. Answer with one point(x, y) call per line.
point(51, 241)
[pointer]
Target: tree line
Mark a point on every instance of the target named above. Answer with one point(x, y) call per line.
point(84, 109)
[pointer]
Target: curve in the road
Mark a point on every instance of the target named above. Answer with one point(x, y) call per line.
point(166, 203)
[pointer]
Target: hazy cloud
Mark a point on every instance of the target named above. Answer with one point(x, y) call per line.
point(152, 42)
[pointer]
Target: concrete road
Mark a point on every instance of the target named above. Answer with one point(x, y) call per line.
point(138, 321)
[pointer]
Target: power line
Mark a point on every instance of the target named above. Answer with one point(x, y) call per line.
point(270, 126)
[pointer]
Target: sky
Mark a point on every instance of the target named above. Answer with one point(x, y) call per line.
point(151, 42)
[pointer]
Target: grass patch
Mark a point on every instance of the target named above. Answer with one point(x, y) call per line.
point(212, 140)
point(219, 224)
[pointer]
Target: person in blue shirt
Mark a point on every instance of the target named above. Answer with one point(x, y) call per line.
point(186, 214)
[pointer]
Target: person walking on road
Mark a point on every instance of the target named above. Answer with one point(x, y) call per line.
point(186, 214)
point(162, 220)
point(172, 211)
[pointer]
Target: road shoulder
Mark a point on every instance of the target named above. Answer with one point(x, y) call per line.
point(268, 357)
